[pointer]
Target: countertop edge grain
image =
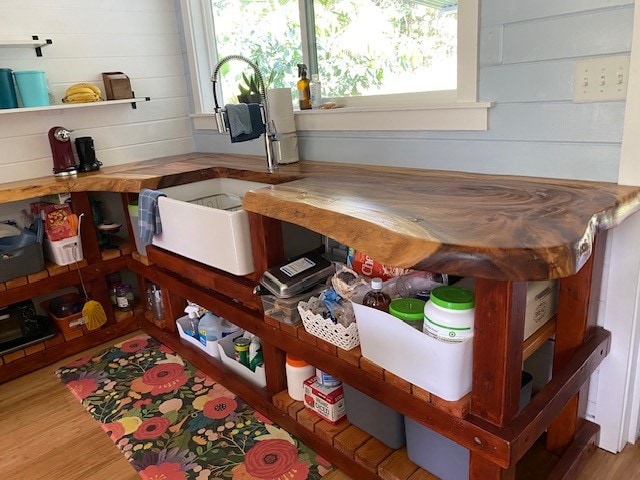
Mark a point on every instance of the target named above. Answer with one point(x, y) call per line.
point(492, 226)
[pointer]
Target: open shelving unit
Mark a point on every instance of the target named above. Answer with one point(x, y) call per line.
point(65, 106)
point(35, 42)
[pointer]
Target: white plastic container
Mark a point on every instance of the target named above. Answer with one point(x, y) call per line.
point(442, 368)
point(210, 349)
point(225, 348)
point(297, 371)
point(65, 251)
point(448, 314)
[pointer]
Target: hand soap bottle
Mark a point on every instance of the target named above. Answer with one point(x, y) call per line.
point(304, 94)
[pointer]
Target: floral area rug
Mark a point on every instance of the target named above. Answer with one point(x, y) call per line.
point(172, 422)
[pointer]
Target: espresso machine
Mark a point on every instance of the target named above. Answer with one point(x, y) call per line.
point(86, 155)
point(63, 162)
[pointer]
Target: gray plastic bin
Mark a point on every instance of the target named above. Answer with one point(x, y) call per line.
point(373, 417)
point(443, 457)
point(21, 262)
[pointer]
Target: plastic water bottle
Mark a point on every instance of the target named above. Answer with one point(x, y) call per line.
point(315, 89)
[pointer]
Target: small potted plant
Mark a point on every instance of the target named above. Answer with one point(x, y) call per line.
point(249, 90)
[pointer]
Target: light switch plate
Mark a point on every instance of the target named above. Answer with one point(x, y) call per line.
point(600, 79)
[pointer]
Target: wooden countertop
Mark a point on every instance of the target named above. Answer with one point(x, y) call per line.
point(499, 227)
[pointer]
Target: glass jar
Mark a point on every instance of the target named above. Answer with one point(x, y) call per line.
point(124, 297)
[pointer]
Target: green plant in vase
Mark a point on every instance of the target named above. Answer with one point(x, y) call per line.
point(250, 88)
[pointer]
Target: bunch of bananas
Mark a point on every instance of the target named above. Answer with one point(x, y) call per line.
point(82, 93)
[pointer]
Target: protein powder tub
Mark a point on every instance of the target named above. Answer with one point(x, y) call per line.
point(448, 314)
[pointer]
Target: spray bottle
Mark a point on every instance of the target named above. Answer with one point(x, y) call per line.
point(191, 326)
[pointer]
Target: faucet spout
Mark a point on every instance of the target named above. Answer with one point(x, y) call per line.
point(270, 134)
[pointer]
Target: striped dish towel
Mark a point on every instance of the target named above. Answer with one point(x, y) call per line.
point(149, 223)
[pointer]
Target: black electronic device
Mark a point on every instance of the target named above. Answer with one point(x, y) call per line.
point(20, 326)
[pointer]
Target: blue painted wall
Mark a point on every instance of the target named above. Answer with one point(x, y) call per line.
point(527, 52)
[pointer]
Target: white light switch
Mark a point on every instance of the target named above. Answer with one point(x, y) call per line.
point(600, 79)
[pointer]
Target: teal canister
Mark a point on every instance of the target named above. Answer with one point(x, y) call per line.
point(32, 88)
point(8, 98)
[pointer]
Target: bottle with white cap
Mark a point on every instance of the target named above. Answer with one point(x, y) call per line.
point(376, 298)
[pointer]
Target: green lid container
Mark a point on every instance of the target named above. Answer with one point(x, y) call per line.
point(407, 309)
point(453, 298)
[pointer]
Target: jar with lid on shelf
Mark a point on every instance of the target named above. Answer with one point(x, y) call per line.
point(124, 296)
point(449, 314)
point(297, 371)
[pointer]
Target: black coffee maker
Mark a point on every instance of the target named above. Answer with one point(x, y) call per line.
point(86, 155)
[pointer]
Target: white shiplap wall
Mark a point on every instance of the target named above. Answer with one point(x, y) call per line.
point(140, 38)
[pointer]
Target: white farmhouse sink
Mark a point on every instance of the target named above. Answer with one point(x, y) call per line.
point(204, 221)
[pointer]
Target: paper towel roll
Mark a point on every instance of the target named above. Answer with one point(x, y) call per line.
point(280, 104)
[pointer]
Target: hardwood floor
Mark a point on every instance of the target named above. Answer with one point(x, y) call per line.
point(45, 433)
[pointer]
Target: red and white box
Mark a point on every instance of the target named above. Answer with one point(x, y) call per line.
point(326, 402)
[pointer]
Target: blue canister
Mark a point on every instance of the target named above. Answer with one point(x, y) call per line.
point(8, 98)
point(32, 88)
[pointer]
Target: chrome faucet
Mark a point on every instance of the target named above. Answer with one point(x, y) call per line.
point(270, 134)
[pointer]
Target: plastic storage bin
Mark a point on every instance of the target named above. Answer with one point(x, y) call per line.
point(444, 368)
point(32, 87)
point(286, 309)
point(227, 355)
point(443, 457)
point(21, 262)
point(65, 251)
point(375, 418)
point(210, 349)
point(66, 324)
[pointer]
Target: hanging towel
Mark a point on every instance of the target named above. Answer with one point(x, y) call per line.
point(239, 119)
point(257, 127)
point(149, 223)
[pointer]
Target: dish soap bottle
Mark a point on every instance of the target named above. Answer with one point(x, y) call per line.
point(304, 94)
point(315, 87)
point(376, 298)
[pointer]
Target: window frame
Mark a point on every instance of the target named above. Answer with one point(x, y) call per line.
point(448, 110)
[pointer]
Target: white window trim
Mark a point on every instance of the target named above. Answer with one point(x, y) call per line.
point(427, 111)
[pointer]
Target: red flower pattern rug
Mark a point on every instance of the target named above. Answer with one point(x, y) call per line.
point(172, 422)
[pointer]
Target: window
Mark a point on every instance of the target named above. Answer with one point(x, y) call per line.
point(371, 55)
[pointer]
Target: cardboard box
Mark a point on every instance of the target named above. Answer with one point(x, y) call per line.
point(541, 303)
point(116, 85)
point(326, 402)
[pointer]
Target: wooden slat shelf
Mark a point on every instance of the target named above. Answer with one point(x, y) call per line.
point(261, 401)
point(354, 357)
point(353, 442)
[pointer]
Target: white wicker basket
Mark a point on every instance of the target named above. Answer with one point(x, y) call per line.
point(345, 338)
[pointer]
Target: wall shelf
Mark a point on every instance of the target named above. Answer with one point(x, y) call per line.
point(64, 106)
point(34, 43)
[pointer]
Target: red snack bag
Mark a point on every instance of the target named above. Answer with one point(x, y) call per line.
point(56, 224)
point(363, 264)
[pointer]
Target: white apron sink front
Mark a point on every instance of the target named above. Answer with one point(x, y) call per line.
point(204, 221)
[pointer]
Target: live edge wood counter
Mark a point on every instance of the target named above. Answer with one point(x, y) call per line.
point(502, 230)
